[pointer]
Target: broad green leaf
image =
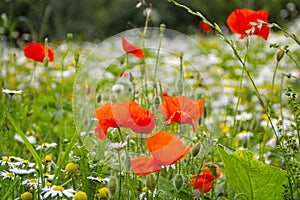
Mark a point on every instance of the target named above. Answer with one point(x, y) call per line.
point(253, 178)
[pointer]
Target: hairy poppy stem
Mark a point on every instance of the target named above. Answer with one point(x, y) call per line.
point(240, 89)
point(120, 133)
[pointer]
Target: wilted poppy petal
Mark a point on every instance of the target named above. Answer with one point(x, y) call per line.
point(132, 49)
point(36, 52)
point(166, 148)
point(144, 165)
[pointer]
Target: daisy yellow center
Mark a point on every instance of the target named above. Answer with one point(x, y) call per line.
point(58, 188)
point(33, 181)
point(10, 175)
point(103, 192)
point(5, 159)
point(80, 196)
point(48, 184)
point(71, 167)
point(26, 196)
point(48, 158)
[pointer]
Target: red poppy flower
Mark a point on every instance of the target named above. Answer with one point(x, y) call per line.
point(239, 21)
point(36, 51)
point(165, 148)
point(202, 184)
point(207, 178)
point(205, 27)
point(142, 166)
point(208, 169)
point(106, 119)
point(127, 115)
point(143, 121)
point(132, 49)
point(182, 110)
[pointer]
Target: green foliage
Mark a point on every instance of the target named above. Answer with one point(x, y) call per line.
point(253, 178)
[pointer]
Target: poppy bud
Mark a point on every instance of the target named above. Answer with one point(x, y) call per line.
point(162, 28)
point(76, 57)
point(196, 149)
point(151, 182)
point(98, 98)
point(131, 78)
point(70, 36)
point(112, 185)
point(157, 102)
point(178, 181)
point(279, 55)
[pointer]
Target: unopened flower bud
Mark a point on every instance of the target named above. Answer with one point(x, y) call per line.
point(151, 182)
point(157, 102)
point(178, 181)
point(70, 36)
point(196, 149)
point(131, 78)
point(76, 57)
point(162, 28)
point(279, 55)
point(98, 98)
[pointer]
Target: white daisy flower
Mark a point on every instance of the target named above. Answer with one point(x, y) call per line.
point(271, 143)
point(117, 145)
point(6, 161)
point(45, 146)
point(57, 191)
point(98, 179)
point(22, 171)
point(244, 116)
point(244, 135)
point(32, 182)
point(30, 138)
point(7, 175)
point(12, 92)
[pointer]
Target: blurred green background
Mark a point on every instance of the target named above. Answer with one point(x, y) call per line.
point(98, 19)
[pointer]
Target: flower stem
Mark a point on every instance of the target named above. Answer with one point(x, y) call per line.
point(120, 133)
point(157, 54)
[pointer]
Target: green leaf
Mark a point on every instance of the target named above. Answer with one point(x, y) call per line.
point(253, 178)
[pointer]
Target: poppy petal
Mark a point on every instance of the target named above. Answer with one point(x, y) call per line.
point(143, 121)
point(36, 52)
point(144, 165)
point(205, 27)
point(100, 131)
point(132, 49)
point(200, 183)
point(239, 21)
point(166, 148)
point(181, 117)
point(182, 110)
